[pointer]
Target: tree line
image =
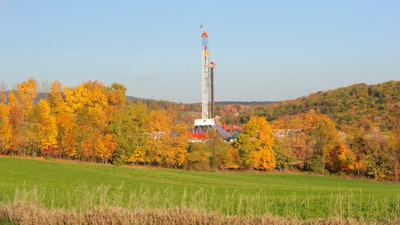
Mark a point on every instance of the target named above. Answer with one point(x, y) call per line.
point(93, 122)
point(326, 132)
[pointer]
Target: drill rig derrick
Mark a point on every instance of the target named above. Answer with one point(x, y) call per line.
point(207, 95)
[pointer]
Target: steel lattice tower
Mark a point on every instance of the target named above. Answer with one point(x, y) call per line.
point(206, 84)
point(205, 96)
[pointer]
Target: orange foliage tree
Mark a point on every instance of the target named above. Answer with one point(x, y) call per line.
point(5, 129)
point(342, 159)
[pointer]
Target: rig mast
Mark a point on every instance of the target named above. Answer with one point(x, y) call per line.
point(207, 85)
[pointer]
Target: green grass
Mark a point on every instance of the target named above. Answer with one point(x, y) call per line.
point(80, 186)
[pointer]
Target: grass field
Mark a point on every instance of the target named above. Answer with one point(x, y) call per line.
point(81, 186)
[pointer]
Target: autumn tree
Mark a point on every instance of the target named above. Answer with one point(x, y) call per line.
point(5, 126)
point(284, 155)
point(310, 136)
point(21, 104)
point(90, 94)
point(65, 119)
point(27, 92)
point(167, 141)
point(129, 129)
point(177, 144)
point(377, 149)
point(44, 130)
point(220, 156)
point(394, 143)
point(116, 99)
point(15, 120)
point(341, 159)
point(246, 144)
point(324, 137)
point(5, 129)
point(292, 140)
point(91, 127)
point(227, 158)
point(105, 146)
point(55, 98)
point(88, 102)
point(255, 145)
point(199, 156)
point(158, 129)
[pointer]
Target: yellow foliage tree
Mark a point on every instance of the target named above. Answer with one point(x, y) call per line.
point(15, 119)
point(167, 139)
point(265, 154)
point(116, 100)
point(5, 128)
point(105, 145)
point(65, 119)
point(178, 144)
point(88, 94)
point(88, 103)
point(158, 131)
point(45, 126)
point(255, 145)
point(27, 92)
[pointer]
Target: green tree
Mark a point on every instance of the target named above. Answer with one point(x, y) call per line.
point(217, 148)
point(227, 158)
point(129, 129)
point(198, 156)
point(376, 157)
point(284, 156)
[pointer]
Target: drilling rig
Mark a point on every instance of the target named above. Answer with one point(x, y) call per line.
point(207, 86)
point(203, 125)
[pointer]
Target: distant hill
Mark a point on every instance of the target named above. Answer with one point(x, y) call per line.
point(360, 103)
point(39, 96)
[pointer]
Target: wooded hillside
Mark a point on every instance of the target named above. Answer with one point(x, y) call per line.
point(359, 104)
point(362, 121)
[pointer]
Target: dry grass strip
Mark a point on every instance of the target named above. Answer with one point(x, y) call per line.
point(21, 213)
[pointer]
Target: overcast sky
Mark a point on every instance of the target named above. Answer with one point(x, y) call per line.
point(265, 50)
